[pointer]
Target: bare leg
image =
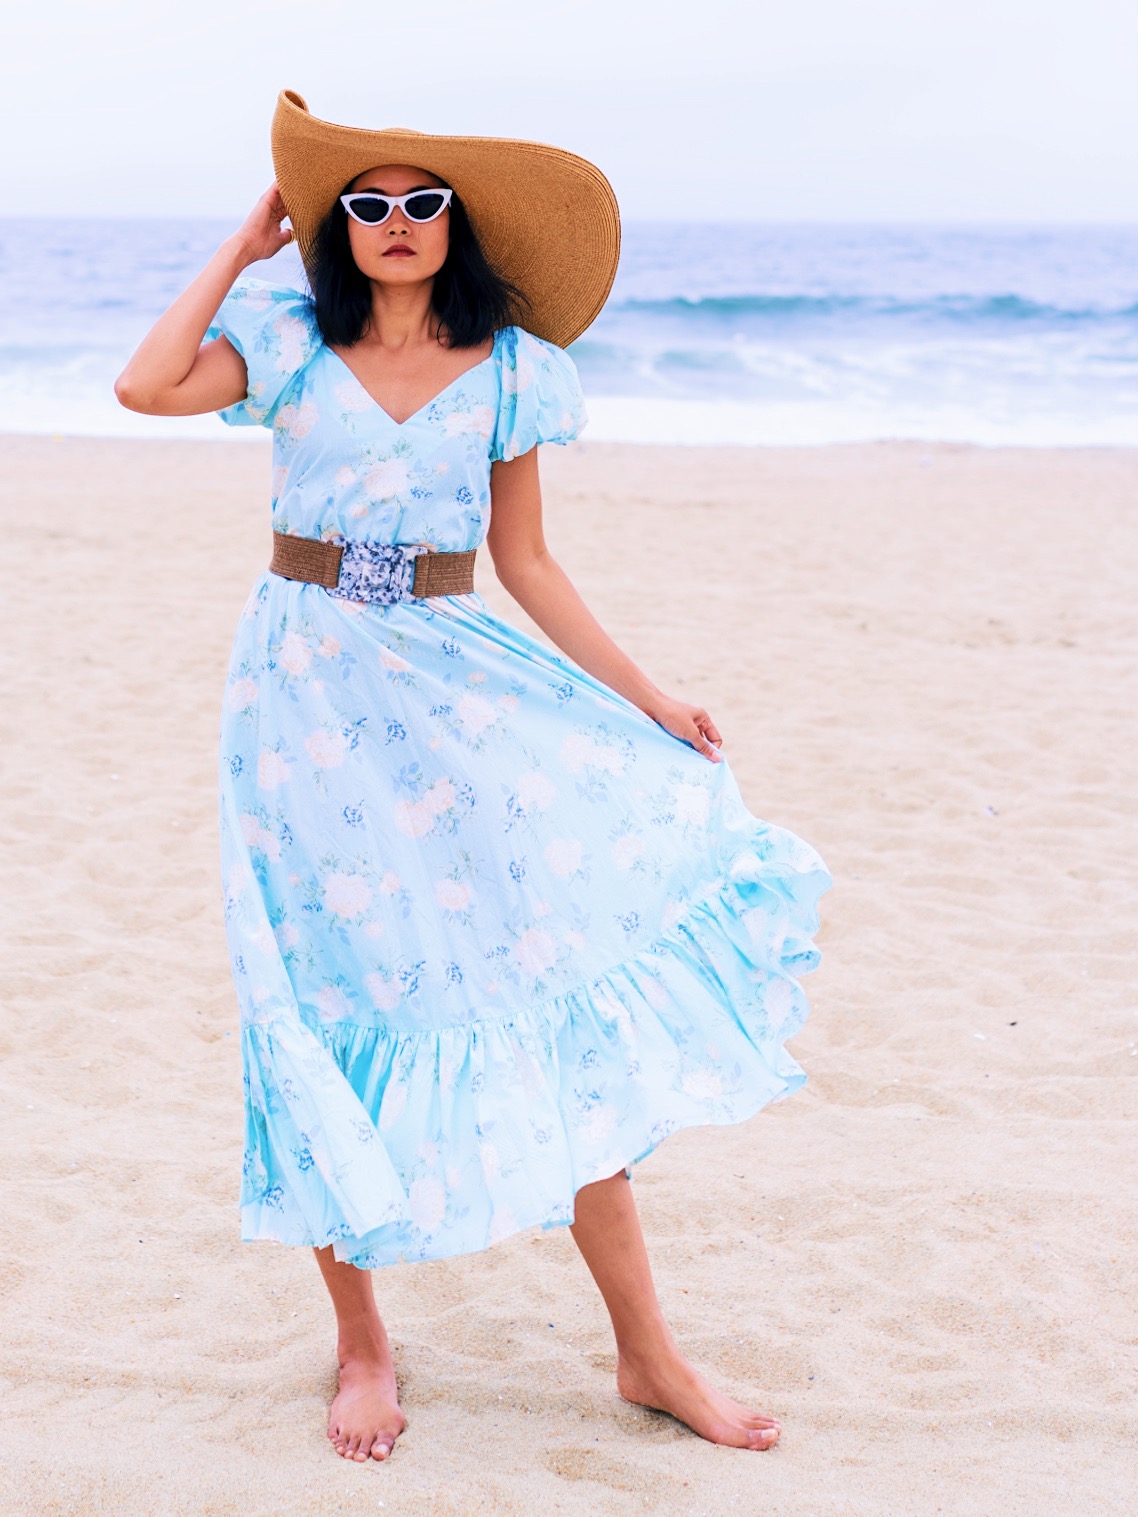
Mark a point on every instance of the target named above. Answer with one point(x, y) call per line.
point(365, 1419)
point(651, 1371)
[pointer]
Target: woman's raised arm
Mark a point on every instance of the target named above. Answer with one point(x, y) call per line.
point(170, 372)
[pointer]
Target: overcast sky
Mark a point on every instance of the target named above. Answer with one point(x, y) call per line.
point(862, 110)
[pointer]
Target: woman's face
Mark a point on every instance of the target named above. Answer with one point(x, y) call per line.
point(399, 252)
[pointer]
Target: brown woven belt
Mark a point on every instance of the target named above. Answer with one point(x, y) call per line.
point(383, 572)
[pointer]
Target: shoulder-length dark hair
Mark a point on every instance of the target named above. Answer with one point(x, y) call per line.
point(470, 300)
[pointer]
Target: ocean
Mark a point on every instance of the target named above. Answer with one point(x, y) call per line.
point(712, 334)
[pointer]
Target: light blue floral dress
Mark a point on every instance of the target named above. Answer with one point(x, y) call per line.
point(494, 931)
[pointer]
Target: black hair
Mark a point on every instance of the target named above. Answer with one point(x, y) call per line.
point(470, 299)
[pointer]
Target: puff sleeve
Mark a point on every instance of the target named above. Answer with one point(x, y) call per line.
point(274, 329)
point(541, 396)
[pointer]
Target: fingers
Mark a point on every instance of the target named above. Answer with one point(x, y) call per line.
point(702, 746)
point(706, 734)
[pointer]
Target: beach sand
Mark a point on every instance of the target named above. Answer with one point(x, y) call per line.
point(922, 660)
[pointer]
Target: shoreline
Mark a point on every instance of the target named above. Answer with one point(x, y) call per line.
point(921, 668)
point(262, 437)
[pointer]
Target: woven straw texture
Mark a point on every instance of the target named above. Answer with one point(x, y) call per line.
point(547, 220)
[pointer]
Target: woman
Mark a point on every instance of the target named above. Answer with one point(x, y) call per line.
point(498, 918)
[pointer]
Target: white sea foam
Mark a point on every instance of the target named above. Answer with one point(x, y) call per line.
point(753, 335)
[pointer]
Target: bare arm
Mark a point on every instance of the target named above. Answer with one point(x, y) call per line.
point(170, 372)
point(531, 574)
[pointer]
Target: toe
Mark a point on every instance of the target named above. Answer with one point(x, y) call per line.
point(381, 1448)
point(763, 1438)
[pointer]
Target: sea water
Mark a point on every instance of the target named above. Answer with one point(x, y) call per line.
point(712, 334)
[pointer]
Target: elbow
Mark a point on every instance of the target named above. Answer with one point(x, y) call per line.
point(127, 393)
point(516, 569)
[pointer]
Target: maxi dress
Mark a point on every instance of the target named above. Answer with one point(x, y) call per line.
point(494, 931)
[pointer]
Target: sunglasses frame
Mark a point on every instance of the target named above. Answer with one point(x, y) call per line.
point(394, 201)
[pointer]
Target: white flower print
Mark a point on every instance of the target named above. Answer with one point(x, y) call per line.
point(297, 421)
point(386, 479)
point(395, 1096)
point(333, 1004)
point(352, 396)
point(654, 993)
point(392, 660)
point(257, 298)
point(536, 951)
point(272, 769)
point(414, 818)
point(346, 895)
point(295, 335)
point(599, 1126)
point(384, 993)
point(452, 895)
point(671, 912)
point(576, 751)
point(691, 805)
point(295, 654)
point(326, 749)
point(563, 856)
point(242, 693)
point(703, 1084)
point(626, 850)
point(428, 1202)
point(479, 420)
point(287, 936)
point(535, 791)
point(608, 758)
point(476, 713)
point(779, 1004)
point(440, 797)
point(260, 837)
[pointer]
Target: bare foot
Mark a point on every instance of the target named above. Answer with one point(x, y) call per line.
point(366, 1418)
point(667, 1383)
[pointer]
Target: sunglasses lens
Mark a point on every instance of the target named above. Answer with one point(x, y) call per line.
point(371, 209)
point(426, 206)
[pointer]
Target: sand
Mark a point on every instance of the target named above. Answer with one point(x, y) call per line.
point(922, 659)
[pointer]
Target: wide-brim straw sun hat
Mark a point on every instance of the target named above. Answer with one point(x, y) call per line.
point(546, 219)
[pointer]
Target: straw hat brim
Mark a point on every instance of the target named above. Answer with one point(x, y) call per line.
point(546, 219)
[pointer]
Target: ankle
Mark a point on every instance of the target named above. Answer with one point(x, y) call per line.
point(646, 1344)
point(362, 1342)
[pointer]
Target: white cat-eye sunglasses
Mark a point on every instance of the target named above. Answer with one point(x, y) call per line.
point(372, 209)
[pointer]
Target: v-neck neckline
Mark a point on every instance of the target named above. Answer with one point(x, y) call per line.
point(427, 404)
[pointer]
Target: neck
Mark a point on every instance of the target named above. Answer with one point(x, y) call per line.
point(401, 315)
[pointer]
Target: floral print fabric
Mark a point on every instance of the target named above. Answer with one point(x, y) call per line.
point(494, 931)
